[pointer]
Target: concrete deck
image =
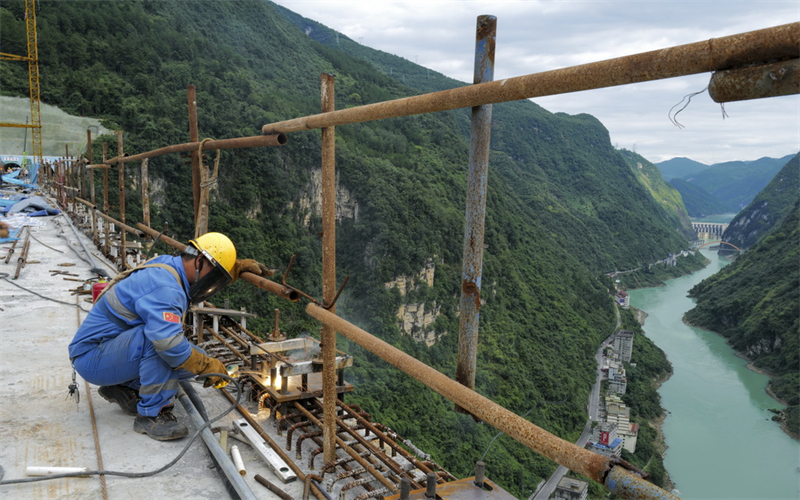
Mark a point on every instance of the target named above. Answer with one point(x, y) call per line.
point(40, 426)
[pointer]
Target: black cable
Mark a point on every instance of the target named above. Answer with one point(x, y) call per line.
point(151, 473)
point(4, 276)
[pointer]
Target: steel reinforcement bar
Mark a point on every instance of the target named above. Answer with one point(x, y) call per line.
point(769, 44)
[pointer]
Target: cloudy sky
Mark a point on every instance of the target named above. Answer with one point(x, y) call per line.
point(535, 36)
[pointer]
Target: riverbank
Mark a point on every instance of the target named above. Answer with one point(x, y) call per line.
point(656, 274)
point(657, 423)
point(718, 413)
point(768, 389)
point(660, 442)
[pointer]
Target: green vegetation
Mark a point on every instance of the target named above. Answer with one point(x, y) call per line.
point(563, 206)
point(736, 183)
point(767, 209)
point(669, 198)
point(679, 168)
point(698, 201)
point(753, 303)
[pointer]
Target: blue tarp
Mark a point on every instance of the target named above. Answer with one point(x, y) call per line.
point(12, 235)
point(12, 179)
point(33, 206)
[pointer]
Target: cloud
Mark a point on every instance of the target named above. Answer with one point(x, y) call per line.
point(536, 36)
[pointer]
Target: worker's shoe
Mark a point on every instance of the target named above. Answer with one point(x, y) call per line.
point(125, 397)
point(162, 427)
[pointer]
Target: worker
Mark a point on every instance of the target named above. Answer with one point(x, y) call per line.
point(132, 344)
point(4, 229)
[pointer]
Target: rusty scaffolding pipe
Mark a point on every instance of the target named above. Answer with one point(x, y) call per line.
point(255, 141)
point(475, 213)
point(194, 136)
point(110, 219)
point(328, 335)
point(756, 82)
point(779, 42)
point(254, 279)
point(123, 252)
point(575, 458)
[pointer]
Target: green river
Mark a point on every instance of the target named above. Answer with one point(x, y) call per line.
point(722, 443)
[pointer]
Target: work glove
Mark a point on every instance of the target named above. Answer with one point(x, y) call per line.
point(200, 364)
point(3, 230)
point(250, 266)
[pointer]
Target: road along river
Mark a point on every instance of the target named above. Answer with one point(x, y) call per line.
point(722, 443)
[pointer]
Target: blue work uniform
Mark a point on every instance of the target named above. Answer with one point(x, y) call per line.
point(133, 336)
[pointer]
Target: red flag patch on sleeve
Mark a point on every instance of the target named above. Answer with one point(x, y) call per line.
point(172, 317)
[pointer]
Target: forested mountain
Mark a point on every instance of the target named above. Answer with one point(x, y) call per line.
point(680, 167)
point(736, 183)
point(563, 205)
point(754, 303)
point(697, 200)
point(767, 209)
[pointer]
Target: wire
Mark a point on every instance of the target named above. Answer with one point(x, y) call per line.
point(150, 473)
point(4, 276)
point(45, 244)
point(688, 99)
point(526, 414)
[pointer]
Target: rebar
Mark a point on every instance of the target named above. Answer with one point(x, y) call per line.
point(379, 454)
point(272, 444)
point(349, 450)
point(271, 487)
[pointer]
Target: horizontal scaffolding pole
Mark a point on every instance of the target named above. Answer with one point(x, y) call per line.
point(553, 447)
point(756, 82)
point(110, 219)
point(760, 46)
point(254, 279)
point(19, 125)
point(571, 456)
point(255, 141)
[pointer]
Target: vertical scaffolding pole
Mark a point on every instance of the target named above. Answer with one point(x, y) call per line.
point(68, 181)
point(121, 168)
point(328, 270)
point(194, 135)
point(106, 236)
point(480, 135)
point(145, 193)
point(90, 157)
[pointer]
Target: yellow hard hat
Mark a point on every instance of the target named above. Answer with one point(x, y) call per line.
point(218, 248)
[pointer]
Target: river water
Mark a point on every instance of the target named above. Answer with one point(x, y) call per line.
point(722, 443)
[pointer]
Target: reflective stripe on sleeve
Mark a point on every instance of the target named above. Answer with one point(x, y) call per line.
point(116, 305)
point(169, 385)
point(168, 343)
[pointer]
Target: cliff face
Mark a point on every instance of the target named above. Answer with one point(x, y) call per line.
point(767, 208)
point(310, 200)
point(415, 318)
